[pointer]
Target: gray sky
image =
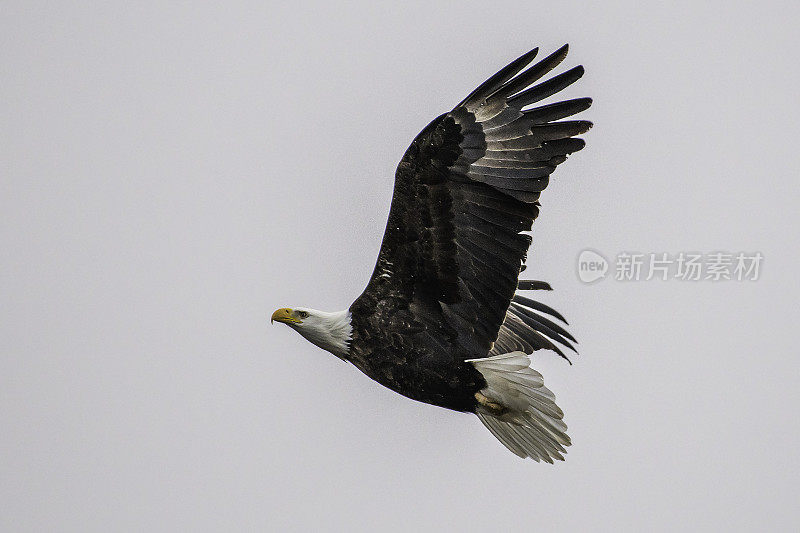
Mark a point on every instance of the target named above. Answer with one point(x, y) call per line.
point(171, 175)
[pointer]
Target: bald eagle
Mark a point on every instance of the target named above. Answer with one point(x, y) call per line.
point(441, 320)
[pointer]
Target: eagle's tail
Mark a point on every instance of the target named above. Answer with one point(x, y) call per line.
point(519, 410)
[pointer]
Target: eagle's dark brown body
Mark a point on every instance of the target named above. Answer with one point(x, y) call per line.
point(452, 252)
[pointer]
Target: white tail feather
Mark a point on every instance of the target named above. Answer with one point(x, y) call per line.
point(530, 422)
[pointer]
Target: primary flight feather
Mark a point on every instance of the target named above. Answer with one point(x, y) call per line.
point(441, 320)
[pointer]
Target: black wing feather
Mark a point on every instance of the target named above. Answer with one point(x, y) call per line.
point(464, 190)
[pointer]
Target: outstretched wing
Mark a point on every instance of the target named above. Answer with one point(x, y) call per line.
point(465, 189)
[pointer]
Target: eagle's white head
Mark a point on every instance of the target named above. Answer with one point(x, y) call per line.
point(329, 331)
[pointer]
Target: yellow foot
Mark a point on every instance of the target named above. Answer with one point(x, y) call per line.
point(489, 404)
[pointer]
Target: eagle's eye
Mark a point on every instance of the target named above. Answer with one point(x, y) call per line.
point(302, 314)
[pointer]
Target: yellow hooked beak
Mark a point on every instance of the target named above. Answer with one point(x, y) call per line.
point(284, 315)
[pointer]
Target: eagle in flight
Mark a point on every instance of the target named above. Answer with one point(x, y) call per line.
point(442, 320)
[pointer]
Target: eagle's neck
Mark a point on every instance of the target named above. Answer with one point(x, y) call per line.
point(330, 331)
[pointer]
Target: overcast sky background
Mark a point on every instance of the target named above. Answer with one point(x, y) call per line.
point(169, 175)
